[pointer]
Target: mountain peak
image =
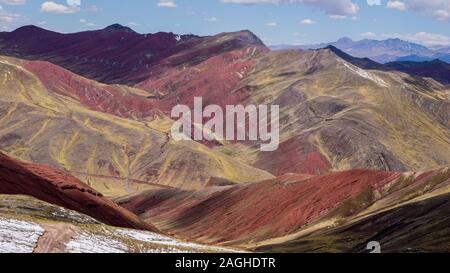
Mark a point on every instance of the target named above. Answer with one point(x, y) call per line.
point(31, 29)
point(395, 40)
point(345, 40)
point(364, 63)
point(335, 50)
point(243, 37)
point(438, 62)
point(119, 28)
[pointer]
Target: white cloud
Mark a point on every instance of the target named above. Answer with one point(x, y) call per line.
point(92, 8)
point(10, 20)
point(368, 34)
point(308, 22)
point(167, 4)
point(52, 7)
point(14, 2)
point(338, 17)
point(439, 9)
point(271, 24)
point(396, 5)
point(133, 24)
point(212, 19)
point(339, 7)
point(374, 2)
point(74, 3)
point(87, 23)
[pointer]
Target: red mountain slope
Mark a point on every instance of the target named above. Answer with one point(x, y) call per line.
point(267, 209)
point(62, 189)
point(217, 80)
point(117, 100)
point(260, 211)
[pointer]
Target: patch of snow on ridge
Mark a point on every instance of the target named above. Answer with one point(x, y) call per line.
point(364, 74)
point(91, 243)
point(18, 236)
point(154, 238)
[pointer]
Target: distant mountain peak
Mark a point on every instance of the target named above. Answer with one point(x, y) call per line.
point(245, 37)
point(251, 36)
point(31, 29)
point(364, 63)
point(119, 28)
point(396, 39)
point(338, 52)
point(333, 48)
point(382, 51)
point(345, 40)
point(438, 62)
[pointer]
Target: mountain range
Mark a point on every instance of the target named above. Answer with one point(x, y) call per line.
point(359, 141)
point(436, 69)
point(382, 51)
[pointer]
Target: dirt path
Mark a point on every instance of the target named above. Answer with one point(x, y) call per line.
point(55, 238)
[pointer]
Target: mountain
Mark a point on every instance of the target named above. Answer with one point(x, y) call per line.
point(313, 111)
point(299, 213)
point(104, 134)
point(335, 115)
point(117, 54)
point(62, 189)
point(436, 69)
point(355, 135)
point(330, 108)
point(321, 96)
point(380, 51)
point(364, 63)
point(420, 226)
point(443, 50)
point(415, 58)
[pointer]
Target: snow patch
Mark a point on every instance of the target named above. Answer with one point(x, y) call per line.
point(154, 238)
point(367, 75)
point(86, 242)
point(18, 236)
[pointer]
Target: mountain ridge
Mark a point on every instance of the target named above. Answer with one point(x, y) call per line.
point(435, 69)
point(381, 51)
point(121, 56)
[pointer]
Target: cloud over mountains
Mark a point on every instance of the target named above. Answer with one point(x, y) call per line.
point(338, 7)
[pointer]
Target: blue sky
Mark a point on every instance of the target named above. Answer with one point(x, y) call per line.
point(275, 21)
